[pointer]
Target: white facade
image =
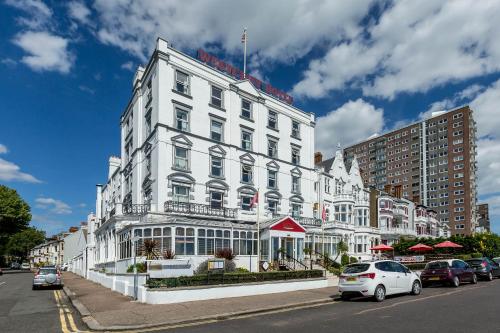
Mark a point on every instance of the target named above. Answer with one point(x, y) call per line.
point(75, 250)
point(48, 253)
point(347, 209)
point(196, 146)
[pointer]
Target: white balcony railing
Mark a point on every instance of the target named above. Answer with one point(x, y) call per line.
point(398, 231)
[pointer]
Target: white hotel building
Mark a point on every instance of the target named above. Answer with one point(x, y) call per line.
point(196, 145)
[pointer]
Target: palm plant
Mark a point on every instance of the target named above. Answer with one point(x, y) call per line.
point(150, 249)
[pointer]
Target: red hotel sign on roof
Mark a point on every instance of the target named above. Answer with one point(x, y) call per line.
point(238, 74)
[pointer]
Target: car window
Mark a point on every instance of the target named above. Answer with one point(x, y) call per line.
point(384, 266)
point(455, 264)
point(397, 267)
point(356, 268)
point(437, 265)
point(46, 271)
point(475, 262)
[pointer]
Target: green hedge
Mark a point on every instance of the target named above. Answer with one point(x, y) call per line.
point(232, 278)
point(416, 266)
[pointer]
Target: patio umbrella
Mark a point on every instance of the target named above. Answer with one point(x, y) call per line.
point(420, 247)
point(382, 247)
point(447, 244)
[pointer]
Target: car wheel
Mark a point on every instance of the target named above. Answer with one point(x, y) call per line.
point(416, 288)
point(474, 279)
point(379, 294)
point(455, 282)
point(489, 277)
point(33, 288)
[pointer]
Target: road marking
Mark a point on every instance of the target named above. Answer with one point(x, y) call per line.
point(68, 313)
point(62, 319)
point(418, 300)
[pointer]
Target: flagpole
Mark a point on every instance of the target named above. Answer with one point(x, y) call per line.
point(258, 231)
point(245, 54)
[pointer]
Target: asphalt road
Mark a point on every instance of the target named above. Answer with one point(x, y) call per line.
point(469, 308)
point(25, 310)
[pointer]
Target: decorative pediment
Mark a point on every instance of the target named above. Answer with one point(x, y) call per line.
point(246, 89)
point(273, 165)
point(218, 184)
point(247, 158)
point(296, 198)
point(180, 177)
point(296, 172)
point(182, 140)
point(217, 150)
point(273, 194)
point(247, 189)
point(287, 224)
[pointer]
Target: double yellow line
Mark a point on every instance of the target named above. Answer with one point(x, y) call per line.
point(66, 318)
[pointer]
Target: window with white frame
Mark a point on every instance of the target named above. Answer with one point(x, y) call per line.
point(296, 209)
point(327, 185)
point(295, 156)
point(216, 199)
point(246, 201)
point(272, 119)
point(182, 119)
point(295, 129)
point(184, 241)
point(460, 218)
point(181, 158)
point(216, 96)
point(246, 140)
point(272, 148)
point(244, 243)
point(180, 193)
point(459, 209)
point(216, 166)
point(246, 173)
point(272, 179)
point(295, 183)
point(246, 109)
point(272, 205)
point(216, 130)
point(182, 82)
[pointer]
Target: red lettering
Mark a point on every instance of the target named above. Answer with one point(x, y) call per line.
point(203, 56)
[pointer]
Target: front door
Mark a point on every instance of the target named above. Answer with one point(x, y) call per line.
point(287, 246)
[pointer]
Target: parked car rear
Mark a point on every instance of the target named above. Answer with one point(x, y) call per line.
point(484, 268)
point(47, 276)
point(451, 272)
point(25, 265)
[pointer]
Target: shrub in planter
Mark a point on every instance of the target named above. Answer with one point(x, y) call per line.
point(344, 260)
point(225, 253)
point(241, 270)
point(229, 266)
point(353, 260)
point(476, 255)
point(141, 268)
point(168, 254)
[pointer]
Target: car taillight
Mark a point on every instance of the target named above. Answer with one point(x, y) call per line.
point(342, 276)
point(368, 276)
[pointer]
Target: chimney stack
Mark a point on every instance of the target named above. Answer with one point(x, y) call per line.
point(318, 158)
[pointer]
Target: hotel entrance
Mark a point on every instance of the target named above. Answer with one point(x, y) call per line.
point(283, 240)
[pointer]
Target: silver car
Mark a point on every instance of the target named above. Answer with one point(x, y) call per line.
point(47, 277)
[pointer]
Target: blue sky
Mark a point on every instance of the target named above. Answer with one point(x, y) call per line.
point(362, 67)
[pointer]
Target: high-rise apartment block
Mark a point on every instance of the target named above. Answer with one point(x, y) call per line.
point(431, 162)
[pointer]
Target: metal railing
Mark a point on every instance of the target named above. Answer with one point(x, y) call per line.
point(305, 221)
point(136, 209)
point(291, 263)
point(189, 208)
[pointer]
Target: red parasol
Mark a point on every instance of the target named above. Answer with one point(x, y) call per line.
point(420, 247)
point(447, 244)
point(382, 247)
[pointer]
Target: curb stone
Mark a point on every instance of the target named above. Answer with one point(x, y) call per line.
point(94, 325)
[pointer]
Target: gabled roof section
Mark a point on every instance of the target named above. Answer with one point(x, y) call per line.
point(286, 223)
point(326, 164)
point(338, 169)
point(245, 86)
point(354, 174)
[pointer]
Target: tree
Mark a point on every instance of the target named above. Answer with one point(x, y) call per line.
point(21, 243)
point(341, 249)
point(14, 212)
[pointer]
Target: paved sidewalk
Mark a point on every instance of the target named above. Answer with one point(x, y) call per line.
point(103, 309)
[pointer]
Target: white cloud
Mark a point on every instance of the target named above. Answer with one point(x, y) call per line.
point(9, 62)
point(78, 11)
point(86, 89)
point(129, 65)
point(10, 172)
point(352, 122)
point(54, 205)
point(414, 47)
point(47, 52)
point(277, 30)
point(38, 14)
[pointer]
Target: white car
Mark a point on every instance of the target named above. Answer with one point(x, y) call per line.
point(378, 279)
